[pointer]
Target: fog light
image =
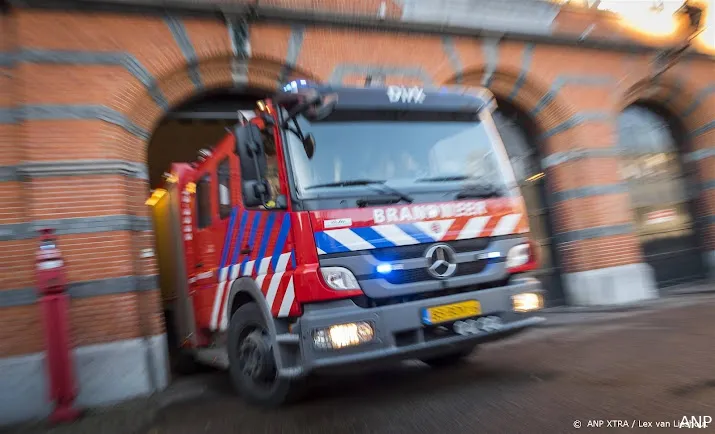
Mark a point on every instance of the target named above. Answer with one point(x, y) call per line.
point(527, 302)
point(343, 335)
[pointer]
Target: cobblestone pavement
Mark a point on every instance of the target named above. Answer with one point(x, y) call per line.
point(654, 367)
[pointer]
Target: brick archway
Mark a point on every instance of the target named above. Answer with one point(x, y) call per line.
point(217, 72)
point(595, 243)
point(223, 71)
point(681, 102)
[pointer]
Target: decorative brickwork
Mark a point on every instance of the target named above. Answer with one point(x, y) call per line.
point(89, 88)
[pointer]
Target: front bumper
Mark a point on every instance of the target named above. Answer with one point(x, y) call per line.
point(399, 332)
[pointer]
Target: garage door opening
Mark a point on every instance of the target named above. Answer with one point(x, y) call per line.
point(194, 126)
point(660, 184)
point(519, 133)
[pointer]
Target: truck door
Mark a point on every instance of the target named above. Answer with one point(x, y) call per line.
point(204, 276)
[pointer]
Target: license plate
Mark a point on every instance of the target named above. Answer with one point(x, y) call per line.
point(451, 312)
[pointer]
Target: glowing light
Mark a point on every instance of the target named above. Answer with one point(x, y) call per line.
point(644, 17)
point(527, 302)
point(656, 18)
point(384, 268)
point(171, 177)
point(343, 335)
point(156, 195)
point(535, 177)
point(191, 188)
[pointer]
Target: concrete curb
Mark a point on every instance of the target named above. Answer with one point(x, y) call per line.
point(665, 296)
point(132, 417)
point(584, 317)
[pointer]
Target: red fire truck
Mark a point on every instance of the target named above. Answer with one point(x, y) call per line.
point(336, 226)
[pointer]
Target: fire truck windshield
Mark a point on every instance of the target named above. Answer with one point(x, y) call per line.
point(410, 152)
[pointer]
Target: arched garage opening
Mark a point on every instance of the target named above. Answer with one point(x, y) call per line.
point(660, 185)
point(519, 134)
point(197, 124)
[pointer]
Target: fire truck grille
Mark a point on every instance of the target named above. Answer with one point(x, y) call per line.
point(418, 250)
point(398, 277)
point(368, 302)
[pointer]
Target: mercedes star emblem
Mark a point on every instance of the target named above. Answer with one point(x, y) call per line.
point(441, 261)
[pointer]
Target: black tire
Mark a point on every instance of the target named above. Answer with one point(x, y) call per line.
point(449, 359)
point(244, 328)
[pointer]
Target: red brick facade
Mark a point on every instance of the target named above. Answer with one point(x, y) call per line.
point(32, 78)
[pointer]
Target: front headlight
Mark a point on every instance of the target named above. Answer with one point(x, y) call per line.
point(339, 278)
point(343, 335)
point(527, 302)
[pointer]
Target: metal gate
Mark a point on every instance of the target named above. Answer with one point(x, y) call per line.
point(661, 195)
point(517, 132)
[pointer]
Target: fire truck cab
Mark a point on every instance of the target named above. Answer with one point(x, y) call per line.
point(337, 226)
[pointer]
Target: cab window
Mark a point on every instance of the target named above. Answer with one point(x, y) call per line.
point(224, 189)
point(271, 167)
point(203, 202)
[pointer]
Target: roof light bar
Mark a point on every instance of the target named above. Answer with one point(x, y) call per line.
point(294, 85)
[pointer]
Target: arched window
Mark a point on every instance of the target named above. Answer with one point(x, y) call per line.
point(650, 159)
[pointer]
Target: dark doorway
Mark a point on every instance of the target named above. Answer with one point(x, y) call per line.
point(662, 197)
point(519, 134)
point(198, 124)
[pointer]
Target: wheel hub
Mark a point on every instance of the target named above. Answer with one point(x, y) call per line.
point(255, 356)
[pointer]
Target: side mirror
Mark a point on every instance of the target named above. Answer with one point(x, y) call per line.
point(309, 145)
point(253, 192)
point(268, 120)
point(321, 109)
point(252, 158)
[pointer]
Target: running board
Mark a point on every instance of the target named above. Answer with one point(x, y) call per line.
point(216, 357)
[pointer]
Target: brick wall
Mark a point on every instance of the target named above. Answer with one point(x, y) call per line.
point(95, 85)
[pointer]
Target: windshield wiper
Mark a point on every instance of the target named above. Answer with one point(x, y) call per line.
point(444, 178)
point(372, 183)
point(347, 183)
point(481, 191)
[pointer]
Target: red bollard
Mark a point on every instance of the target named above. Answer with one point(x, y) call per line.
point(54, 303)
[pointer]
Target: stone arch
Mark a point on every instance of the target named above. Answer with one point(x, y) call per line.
point(536, 188)
point(576, 185)
point(680, 102)
point(671, 95)
point(532, 90)
point(262, 72)
point(677, 103)
point(144, 114)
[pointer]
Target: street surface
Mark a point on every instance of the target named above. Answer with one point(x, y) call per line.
point(649, 368)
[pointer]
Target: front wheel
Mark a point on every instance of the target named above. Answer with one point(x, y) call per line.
point(449, 359)
point(252, 366)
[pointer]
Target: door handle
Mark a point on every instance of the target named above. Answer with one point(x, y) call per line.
point(199, 265)
point(246, 250)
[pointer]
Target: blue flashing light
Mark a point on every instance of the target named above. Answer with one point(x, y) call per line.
point(294, 85)
point(384, 268)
